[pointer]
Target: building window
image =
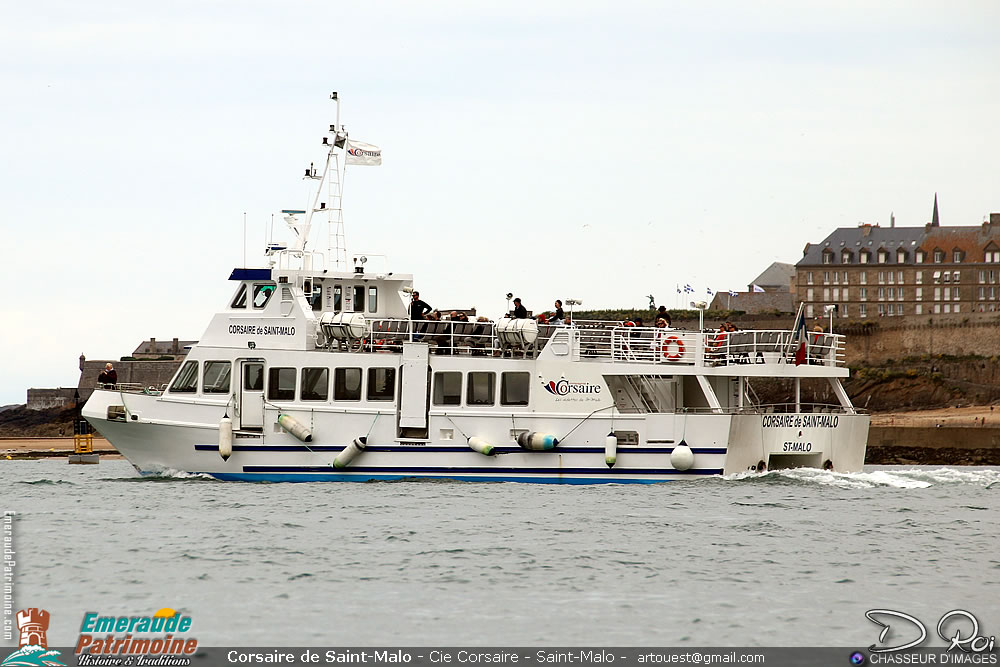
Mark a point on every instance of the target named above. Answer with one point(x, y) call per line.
point(844, 292)
point(826, 277)
point(899, 277)
point(514, 388)
point(955, 293)
point(937, 277)
point(956, 277)
point(947, 293)
point(843, 310)
point(863, 310)
point(809, 310)
point(919, 277)
point(481, 389)
point(448, 388)
point(381, 384)
point(827, 257)
point(881, 277)
point(958, 307)
point(947, 308)
point(956, 256)
point(836, 294)
point(809, 278)
point(881, 294)
point(918, 309)
point(881, 310)
point(899, 309)
point(845, 257)
point(900, 256)
point(844, 280)
point(863, 277)
point(899, 294)
point(217, 375)
point(919, 293)
point(809, 294)
point(892, 278)
point(883, 256)
point(186, 381)
point(919, 256)
point(347, 384)
point(281, 384)
point(864, 294)
point(946, 277)
point(938, 256)
point(863, 257)
point(982, 277)
point(892, 294)
point(826, 294)
point(937, 293)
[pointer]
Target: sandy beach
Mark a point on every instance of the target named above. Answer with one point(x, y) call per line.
point(971, 416)
point(17, 447)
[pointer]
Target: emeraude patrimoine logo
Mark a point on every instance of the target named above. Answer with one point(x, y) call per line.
point(33, 648)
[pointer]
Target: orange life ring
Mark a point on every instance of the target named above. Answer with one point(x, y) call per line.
point(665, 348)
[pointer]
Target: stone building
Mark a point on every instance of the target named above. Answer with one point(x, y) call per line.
point(870, 271)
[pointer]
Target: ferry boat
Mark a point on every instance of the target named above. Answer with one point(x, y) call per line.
point(314, 371)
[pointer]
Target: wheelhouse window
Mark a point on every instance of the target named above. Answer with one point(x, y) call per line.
point(372, 299)
point(347, 384)
point(315, 384)
point(281, 384)
point(381, 384)
point(447, 388)
point(481, 388)
point(514, 388)
point(240, 301)
point(359, 298)
point(217, 374)
point(186, 381)
point(261, 295)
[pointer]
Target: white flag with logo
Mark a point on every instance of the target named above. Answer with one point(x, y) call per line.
point(363, 154)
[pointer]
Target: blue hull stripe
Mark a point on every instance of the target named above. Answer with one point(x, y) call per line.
point(355, 477)
point(499, 450)
point(452, 470)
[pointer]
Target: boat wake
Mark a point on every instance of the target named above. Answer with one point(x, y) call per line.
point(899, 479)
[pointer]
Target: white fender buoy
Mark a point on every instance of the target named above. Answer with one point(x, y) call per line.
point(481, 446)
point(225, 438)
point(350, 452)
point(295, 427)
point(682, 458)
point(538, 442)
point(611, 450)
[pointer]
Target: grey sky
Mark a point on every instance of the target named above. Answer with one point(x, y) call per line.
point(599, 150)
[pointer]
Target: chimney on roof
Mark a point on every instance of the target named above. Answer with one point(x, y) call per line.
point(176, 347)
point(995, 218)
point(935, 221)
point(892, 220)
point(152, 346)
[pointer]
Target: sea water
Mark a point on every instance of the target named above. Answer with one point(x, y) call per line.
point(792, 558)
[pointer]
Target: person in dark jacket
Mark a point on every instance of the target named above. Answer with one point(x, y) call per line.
point(559, 315)
point(520, 312)
point(109, 375)
point(418, 309)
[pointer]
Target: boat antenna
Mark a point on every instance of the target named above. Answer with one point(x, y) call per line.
point(244, 238)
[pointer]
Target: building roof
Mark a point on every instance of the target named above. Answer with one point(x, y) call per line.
point(779, 274)
point(865, 237)
point(164, 347)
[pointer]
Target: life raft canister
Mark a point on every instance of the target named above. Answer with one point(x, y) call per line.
point(665, 348)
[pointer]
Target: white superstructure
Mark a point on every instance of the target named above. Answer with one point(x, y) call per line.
point(313, 373)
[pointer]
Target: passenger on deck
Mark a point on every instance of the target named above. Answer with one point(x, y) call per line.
point(418, 309)
point(109, 375)
point(559, 314)
point(638, 321)
point(520, 312)
point(541, 318)
point(662, 314)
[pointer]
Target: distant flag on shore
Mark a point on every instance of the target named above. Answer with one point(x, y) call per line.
point(732, 293)
point(678, 289)
point(708, 291)
point(689, 289)
point(756, 288)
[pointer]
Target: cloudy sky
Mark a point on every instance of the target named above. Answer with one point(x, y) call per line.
point(596, 150)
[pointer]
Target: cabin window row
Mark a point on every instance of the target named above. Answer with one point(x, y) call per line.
point(480, 388)
point(282, 382)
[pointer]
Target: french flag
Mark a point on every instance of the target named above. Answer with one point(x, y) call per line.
point(800, 338)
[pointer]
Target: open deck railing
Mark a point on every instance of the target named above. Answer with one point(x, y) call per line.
point(612, 341)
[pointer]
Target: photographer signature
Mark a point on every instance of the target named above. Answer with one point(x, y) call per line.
point(957, 619)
